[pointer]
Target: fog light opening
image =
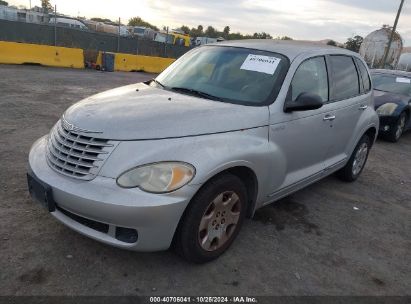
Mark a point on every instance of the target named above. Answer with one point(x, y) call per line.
point(126, 235)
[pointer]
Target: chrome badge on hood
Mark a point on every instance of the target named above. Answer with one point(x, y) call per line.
point(70, 127)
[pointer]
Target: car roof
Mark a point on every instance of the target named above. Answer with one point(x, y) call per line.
point(391, 72)
point(288, 48)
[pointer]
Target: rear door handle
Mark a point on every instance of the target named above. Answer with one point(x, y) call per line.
point(329, 117)
point(363, 107)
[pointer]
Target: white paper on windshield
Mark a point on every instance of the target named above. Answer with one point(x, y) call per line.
point(259, 63)
point(403, 80)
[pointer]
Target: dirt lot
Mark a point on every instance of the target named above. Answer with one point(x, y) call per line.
point(315, 242)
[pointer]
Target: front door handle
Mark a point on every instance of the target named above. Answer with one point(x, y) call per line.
point(329, 117)
point(363, 107)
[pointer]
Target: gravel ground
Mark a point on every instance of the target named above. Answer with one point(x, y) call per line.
point(331, 238)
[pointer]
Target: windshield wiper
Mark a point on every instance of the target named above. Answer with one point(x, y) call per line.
point(382, 90)
point(158, 82)
point(196, 93)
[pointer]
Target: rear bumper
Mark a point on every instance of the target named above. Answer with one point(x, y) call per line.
point(154, 216)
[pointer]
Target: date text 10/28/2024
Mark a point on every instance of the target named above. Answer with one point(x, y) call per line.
point(234, 299)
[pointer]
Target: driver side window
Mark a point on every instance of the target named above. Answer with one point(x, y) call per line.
point(311, 77)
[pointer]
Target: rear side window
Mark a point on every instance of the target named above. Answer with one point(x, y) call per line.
point(311, 77)
point(345, 77)
point(366, 82)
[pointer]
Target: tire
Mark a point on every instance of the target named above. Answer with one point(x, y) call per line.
point(396, 131)
point(218, 192)
point(352, 170)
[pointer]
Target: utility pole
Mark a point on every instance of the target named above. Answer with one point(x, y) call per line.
point(165, 45)
point(118, 38)
point(387, 51)
point(55, 25)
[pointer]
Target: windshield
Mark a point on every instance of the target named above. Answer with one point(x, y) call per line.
point(138, 30)
point(392, 84)
point(236, 75)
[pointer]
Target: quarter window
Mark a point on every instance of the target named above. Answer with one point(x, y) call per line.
point(345, 77)
point(311, 77)
point(364, 76)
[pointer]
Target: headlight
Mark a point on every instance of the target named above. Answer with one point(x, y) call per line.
point(387, 109)
point(158, 177)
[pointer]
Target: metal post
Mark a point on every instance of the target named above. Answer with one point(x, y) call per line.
point(165, 46)
point(118, 37)
point(55, 25)
point(392, 35)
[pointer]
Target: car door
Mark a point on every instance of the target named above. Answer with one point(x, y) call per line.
point(349, 99)
point(302, 138)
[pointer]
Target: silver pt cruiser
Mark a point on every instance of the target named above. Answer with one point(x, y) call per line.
point(182, 159)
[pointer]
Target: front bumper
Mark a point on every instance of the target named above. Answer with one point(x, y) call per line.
point(387, 123)
point(154, 216)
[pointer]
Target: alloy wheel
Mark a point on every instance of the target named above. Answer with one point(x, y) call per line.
point(400, 127)
point(360, 158)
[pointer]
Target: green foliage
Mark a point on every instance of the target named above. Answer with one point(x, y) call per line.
point(284, 38)
point(46, 5)
point(226, 32)
point(262, 35)
point(332, 43)
point(104, 20)
point(212, 32)
point(137, 21)
point(209, 31)
point(197, 32)
point(353, 44)
point(185, 29)
point(4, 3)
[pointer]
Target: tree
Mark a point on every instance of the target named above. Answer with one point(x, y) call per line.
point(45, 4)
point(211, 32)
point(185, 29)
point(4, 3)
point(332, 43)
point(137, 21)
point(104, 20)
point(353, 44)
point(262, 35)
point(197, 32)
point(226, 32)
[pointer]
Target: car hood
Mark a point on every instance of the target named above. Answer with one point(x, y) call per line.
point(138, 112)
point(381, 97)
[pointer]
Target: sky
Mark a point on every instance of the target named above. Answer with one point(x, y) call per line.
point(299, 19)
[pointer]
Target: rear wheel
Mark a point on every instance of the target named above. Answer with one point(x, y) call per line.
point(357, 161)
point(212, 220)
point(397, 130)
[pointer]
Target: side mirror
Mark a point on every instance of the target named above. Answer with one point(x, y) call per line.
point(304, 102)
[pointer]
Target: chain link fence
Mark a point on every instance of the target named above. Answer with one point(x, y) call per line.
point(49, 34)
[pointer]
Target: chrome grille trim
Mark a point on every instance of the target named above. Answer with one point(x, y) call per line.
point(85, 140)
point(72, 153)
point(76, 155)
point(73, 146)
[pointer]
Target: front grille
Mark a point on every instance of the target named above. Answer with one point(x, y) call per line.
point(76, 155)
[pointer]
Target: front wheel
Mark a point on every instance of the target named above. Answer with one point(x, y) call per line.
point(352, 170)
point(397, 130)
point(212, 220)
